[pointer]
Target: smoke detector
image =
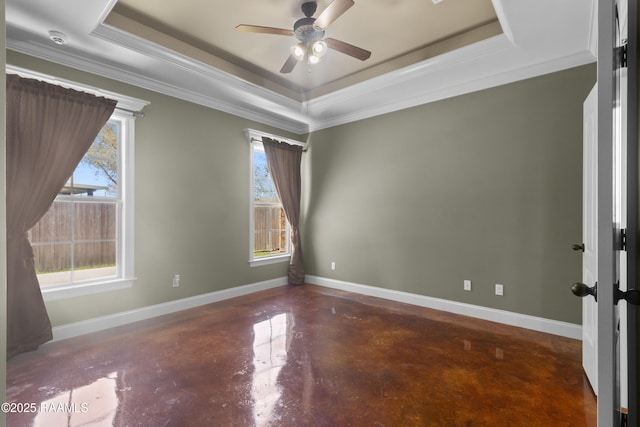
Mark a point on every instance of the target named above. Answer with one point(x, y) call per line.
point(57, 37)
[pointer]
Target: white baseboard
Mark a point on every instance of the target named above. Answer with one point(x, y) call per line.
point(555, 327)
point(118, 319)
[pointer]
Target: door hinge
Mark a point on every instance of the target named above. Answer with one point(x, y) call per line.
point(632, 296)
point(622, 240)
point(620, 56)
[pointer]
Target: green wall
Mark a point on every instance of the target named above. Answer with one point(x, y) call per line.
point(484, 186)
point(191, 202)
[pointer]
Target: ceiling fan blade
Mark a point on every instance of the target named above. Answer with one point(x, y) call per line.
point(335, 9)
point(348, 49)
point(263, 30)
point(289, 64)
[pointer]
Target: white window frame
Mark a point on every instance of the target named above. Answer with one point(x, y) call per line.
point(255, 142)
point(126, 112)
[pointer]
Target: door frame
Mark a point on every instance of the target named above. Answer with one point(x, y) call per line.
point(608, 237)
point(633, 211)
point(608, 391)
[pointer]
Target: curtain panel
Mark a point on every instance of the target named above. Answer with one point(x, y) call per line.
point(283, 161)
point(49, 129)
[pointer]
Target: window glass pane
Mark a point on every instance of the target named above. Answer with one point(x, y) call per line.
point(54, 226)
point(94, 273)
point(95, 255)
point(283, 241)
point(53, 263)
point(276, 243)
point(262, 245)
point(264, 190)
point(261, 217)
point(95, 221)
point(277, 214)
point(52, 257)
point(97, 173)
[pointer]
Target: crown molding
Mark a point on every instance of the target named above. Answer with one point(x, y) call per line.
point(225, 93)
point(412, 92)
point(516, 54)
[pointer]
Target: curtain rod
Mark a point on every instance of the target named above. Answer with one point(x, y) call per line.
point(304, 146)
point(136, 105)
point(134, 113)
point(256, 136)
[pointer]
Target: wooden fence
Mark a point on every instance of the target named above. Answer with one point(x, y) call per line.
point(270, 230)
point(82, 233)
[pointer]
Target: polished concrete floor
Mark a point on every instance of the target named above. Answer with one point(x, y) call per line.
point(304, 356)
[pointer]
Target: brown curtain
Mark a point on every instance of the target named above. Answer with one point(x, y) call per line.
point(283, 161)
point(49, 129)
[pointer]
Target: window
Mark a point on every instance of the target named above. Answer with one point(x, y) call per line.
point(83, 244)
point(269, 227)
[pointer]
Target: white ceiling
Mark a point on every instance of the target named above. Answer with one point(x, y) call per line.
point(537, 37)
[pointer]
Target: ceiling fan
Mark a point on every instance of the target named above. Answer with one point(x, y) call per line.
point(310, 32)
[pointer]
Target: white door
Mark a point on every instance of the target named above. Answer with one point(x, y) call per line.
point(590, 236)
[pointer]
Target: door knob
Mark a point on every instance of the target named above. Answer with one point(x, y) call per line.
point(582, 290)
point(577, 247)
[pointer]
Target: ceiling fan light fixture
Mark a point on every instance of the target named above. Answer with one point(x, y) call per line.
point(299, 51)
point(313, 59)
point(318, 48)
point(311, 45)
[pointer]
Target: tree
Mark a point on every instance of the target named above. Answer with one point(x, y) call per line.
point(103, 153)
point(264, 190)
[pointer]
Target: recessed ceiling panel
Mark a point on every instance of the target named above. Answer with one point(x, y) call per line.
point(397, 32)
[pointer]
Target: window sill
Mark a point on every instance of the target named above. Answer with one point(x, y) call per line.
point(59, 292)
point(269, 260)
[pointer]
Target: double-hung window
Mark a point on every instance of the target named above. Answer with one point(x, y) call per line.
point(84, 243)
point(270, 233)
point(269, 226)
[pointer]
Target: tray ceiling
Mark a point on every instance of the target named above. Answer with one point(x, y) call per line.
point(398, 33)
point(421, 51)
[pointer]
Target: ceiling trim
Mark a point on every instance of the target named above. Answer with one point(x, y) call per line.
point(277, 109)
point(410, 93)
point(262, 115)
point(126, 32)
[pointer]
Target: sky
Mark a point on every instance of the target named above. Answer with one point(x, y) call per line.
point(89, 175)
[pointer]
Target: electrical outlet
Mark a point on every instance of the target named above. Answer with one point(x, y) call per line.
point(333, 265)
point(176, 280)
point(467, 285)
point(499, 289)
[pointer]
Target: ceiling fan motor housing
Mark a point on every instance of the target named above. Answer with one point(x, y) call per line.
point(306, 32)
point(304, 29)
